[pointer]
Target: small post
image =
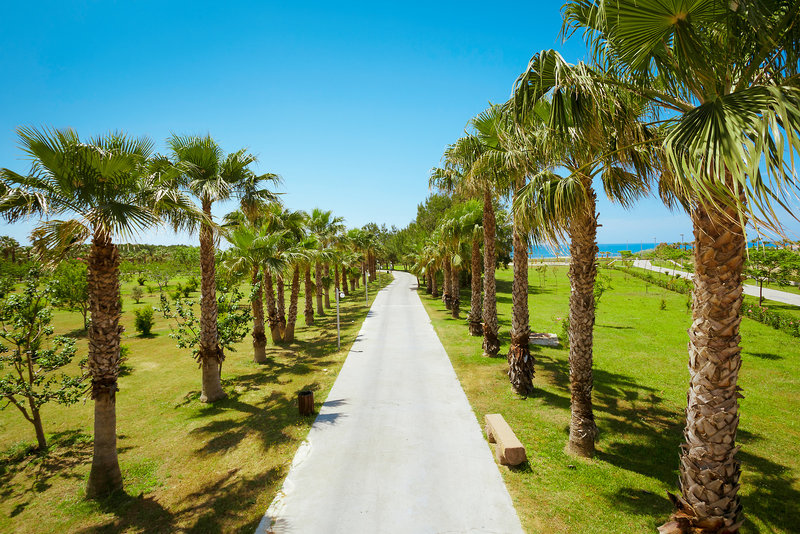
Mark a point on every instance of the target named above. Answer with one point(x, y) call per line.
point(305, 402)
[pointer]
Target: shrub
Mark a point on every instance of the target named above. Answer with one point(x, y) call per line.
point(141, 280)
point(144, 321)
point(137, 294)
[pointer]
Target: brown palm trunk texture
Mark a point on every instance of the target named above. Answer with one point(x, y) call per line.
point(210, 354)
point(709, 470)
point(272, 311)
point(308, 287)
point(475, 328)
point(520, 359)
point(318, 282)
point(491, 344)
point(447, 286)
point(259, 333)
point(293, 298)
point(105, 476)
point(455, 292)
point(326, 289)
point(281, 305)
point(582, 275)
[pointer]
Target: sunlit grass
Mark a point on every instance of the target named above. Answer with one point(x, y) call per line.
point(187, 466)
point(641, 380)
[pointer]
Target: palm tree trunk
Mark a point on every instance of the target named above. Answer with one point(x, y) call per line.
point(582, 274)
point(491, 345)
point(210, 354)
point(475, 295)
point(308, 287)
point(455, 292)
point(344, 282)
point(259, 334)
point(336, 285)
point(520, 359)
point(293, 298)
point(434, 289)
point(327, 288)
point(709, 470)
point(281, 305)
point(105, 476)
point(318, 281)
point(447, 298)
point(272, 312)
point(428, 283)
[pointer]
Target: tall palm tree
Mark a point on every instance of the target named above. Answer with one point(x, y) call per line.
point(591, 132)
point(212, 176)
point(461, 175)
point(106, 186)
point(724, 74)
point(510, 154)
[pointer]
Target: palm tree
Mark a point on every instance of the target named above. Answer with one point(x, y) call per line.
point(510, 154)
point(325, 226)
point(461, 175)
point(253, 249)
point(471, 228)
point(106, 186)
point(725, 76)
point(585, 122)
point(212, 176)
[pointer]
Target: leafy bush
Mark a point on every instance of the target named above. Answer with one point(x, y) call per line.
point(137, 293)
point(142, 280)
point(144, 321)
point(777, 320)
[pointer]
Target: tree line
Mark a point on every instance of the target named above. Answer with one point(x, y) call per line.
point(112, 188)
point(698, 103)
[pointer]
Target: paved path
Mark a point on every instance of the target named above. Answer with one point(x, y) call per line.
point(769, 294)
point(396, 447)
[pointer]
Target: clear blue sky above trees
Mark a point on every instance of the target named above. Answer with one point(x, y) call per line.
point(352, 104)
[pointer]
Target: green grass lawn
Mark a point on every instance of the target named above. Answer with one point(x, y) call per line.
point(641, 380)
point(187, 466)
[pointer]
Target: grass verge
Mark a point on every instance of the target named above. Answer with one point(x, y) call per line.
point(187, 466)
point(639, 395)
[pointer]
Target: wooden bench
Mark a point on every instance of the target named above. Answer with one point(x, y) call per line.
point(509, 450)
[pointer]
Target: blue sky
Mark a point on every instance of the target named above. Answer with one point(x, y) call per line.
point(351, 104)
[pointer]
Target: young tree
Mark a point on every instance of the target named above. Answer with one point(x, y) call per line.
point(30, 356)
point(770, 265)
point(71, 289)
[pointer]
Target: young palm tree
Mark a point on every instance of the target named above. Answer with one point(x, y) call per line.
point(585, 123)
point(472, 230)
point(212, 176)
point(106, 185)
point(253, 249)
point(724, 74)
point(324, 226)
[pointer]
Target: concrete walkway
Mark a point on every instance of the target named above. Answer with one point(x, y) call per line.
point(396, 447)
point(770, 294)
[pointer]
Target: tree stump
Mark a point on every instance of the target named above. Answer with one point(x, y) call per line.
point(305, 400)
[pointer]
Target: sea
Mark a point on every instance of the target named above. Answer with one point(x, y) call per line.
point(613, 249)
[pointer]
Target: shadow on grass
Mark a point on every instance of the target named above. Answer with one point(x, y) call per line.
point(637, 433)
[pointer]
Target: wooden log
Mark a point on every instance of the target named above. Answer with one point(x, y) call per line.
point(305, 401)
point(509, 449)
